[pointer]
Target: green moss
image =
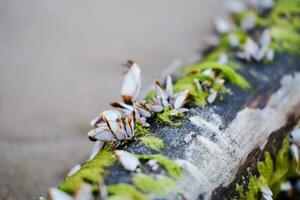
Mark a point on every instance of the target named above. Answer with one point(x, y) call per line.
point(271, 174)
point(150, 96)
point(166, 118)
point(285, 40)
point(152, 142)
point(92, 171)
point(169, 165)
point(159, 186)
point(141, 130)
point(125, 191)
point(226, 72)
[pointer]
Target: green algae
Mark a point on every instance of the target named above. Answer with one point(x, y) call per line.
point(91, 172)
point(160, 185)
point(169, 165)
point(141, 130)
point(125, 191)
point(152, 142)
point(167, 118)
point(271, 173)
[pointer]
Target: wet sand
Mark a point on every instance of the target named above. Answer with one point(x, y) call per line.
point(60, 64)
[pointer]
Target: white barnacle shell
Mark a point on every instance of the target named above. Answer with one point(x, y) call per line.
point(270, 55)
point(262, 5)
point(223, 59)
point(84, 193)
point(73, 171)
point(265, 38)
point(295, 136)
point(286, 186)
point(153, 164)
point(57, 194)
point(96, 148)
point(132, 82)
point(233, 40)
point(127, 160)
point(180, 99)
point(223, 26)
point(102, 134)
point(212, 97)
point(248, 22)
point(266, 193)
point(295, 153)
point(235, 6)
point(251, 49)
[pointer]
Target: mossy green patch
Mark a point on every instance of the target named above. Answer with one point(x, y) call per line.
point(152, 142)
point(271, 174)
point(166, 118)
point(125, 191)
point(285, 40)
point(150, 96)
point(169, 165)
point(92, 171)
point(159, 185)
point(141, 130)
point(226, 72)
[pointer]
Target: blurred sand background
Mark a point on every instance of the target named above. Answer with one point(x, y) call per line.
point(60, 64)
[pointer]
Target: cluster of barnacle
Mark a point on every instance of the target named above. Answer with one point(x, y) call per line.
point(241, 33)
point(118, 126)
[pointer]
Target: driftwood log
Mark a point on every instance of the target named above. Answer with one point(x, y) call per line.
point(217, 143)
point(231, 134)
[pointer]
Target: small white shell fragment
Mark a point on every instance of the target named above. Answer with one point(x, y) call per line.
point(235, 6)
point(265, 38)
point(223, 59)
point(102, 190)
point(73, 171)
point(222, 25)
point(267, 193)
point(295, 152)
point(96, 148)
point(262, 5)
point(286, 186)
point(212, 97)
point(233, 40)
point(180, 99)
point(56, 194)
point(295, 136)
point(153, 164)
point(248, 22)
point(132, 82)
point(128, 160)
point(84, 193)
point(270, 55)
point(209, 72)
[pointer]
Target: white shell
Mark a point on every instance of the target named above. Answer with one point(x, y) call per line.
point(101, 134)
point(295, 135)
point(286, 186)
point(223, 59)
point(56, 194)
point(153, 164)
point(180, 99)
point(96, 148)
point(223, 26)
point(235, 6)
point(233, 40)
point(248, 22)
point(295, 152)
point(267, 193)
point(169, 86)
point(73, 171)
point(212, 97)
point(128, 160)
point(84, 193)
point(132, 82)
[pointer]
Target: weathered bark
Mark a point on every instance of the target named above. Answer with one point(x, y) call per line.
point(228, 135)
